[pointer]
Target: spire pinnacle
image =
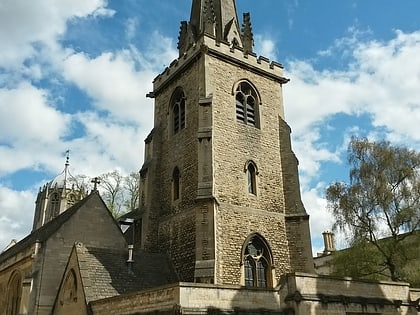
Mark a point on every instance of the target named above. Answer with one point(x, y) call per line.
point(217, 19)
point(66, 166)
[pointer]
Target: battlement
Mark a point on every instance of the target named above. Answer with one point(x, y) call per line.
point(236, 55)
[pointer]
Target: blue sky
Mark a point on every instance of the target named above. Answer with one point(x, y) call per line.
point(74, 75)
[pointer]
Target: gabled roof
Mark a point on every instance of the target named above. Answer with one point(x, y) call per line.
point(105, 273)
point(48, 229)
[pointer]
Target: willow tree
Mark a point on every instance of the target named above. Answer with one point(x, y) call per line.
point(379, 208)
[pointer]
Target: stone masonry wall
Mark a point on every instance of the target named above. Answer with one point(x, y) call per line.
point(234, 225)
point(176, 218)
point(22, 266)
point(94, 226)
point(234, 144)
point(313, 295)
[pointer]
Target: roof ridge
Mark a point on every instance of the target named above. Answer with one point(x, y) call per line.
point(45, 231)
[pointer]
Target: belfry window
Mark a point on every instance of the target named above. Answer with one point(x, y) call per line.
point(176, 184)
point(55, 204)
point(246, 104)
point(178, 110)
point(257, 263)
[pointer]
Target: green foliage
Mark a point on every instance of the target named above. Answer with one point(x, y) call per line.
point(365, 261)
point(382, 201)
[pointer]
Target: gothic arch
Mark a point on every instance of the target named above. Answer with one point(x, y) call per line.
point(257, 262)
point(69, 294)
point(235, 87)
point(14, 296)
point(54, 201)
point(251, 171)
point(247, 103)
point(177, 109)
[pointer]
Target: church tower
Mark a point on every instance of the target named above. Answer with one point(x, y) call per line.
point(219, 185)
point(55, 197)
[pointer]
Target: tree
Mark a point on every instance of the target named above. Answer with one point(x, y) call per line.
point(120, 193)
point(131, 184)
point(80, 183)
point(380, 207)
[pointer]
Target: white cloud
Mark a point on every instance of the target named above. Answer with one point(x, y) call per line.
point(131, 28)
point(24, 113)
point(113, 83)
point(27, 24)
point(265, 46)
point(16, 207)
point(382, 82)
point(28, 127)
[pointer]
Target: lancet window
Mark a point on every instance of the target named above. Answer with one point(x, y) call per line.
point(176, 177)
point(178, 110)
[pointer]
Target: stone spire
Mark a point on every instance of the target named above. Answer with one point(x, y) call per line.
point(218, 19)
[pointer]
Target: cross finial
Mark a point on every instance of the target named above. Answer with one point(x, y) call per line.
point(95, 182)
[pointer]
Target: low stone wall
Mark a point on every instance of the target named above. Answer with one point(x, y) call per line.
point(188, 298)
point(313, 294)
point(298, 294)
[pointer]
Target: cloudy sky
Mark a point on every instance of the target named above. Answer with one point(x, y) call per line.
point(74, 75)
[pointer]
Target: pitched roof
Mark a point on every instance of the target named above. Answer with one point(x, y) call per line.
point(104, 272)
point(48, 229)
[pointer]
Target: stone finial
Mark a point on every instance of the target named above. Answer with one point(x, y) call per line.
point(247, 35)
point(182, 38)
point(209, 18)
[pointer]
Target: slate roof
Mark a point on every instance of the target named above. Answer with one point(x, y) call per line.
point(104, 272)
point(48, 229)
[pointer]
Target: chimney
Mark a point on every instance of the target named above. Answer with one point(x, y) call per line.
point(130, 259)
point(328, 242)
point(127, 222)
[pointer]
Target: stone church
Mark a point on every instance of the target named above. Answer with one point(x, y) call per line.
point(221, 227)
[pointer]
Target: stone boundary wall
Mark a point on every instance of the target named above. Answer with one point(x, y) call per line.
point(183, 298)
point(311, 294)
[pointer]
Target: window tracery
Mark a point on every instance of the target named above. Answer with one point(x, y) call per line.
point(247, 104)
point(257, 263)
point(55, 204)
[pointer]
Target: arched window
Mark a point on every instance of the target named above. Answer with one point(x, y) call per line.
point(251, 174)
point(70, 288)
point(178, 110)
point(247, 104)
point(176, 183)
point(257, 262)
point(71, 199)
point(55, 204)
point(14, 294)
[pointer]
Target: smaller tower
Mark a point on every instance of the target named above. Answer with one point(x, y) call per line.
point(56, 196)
